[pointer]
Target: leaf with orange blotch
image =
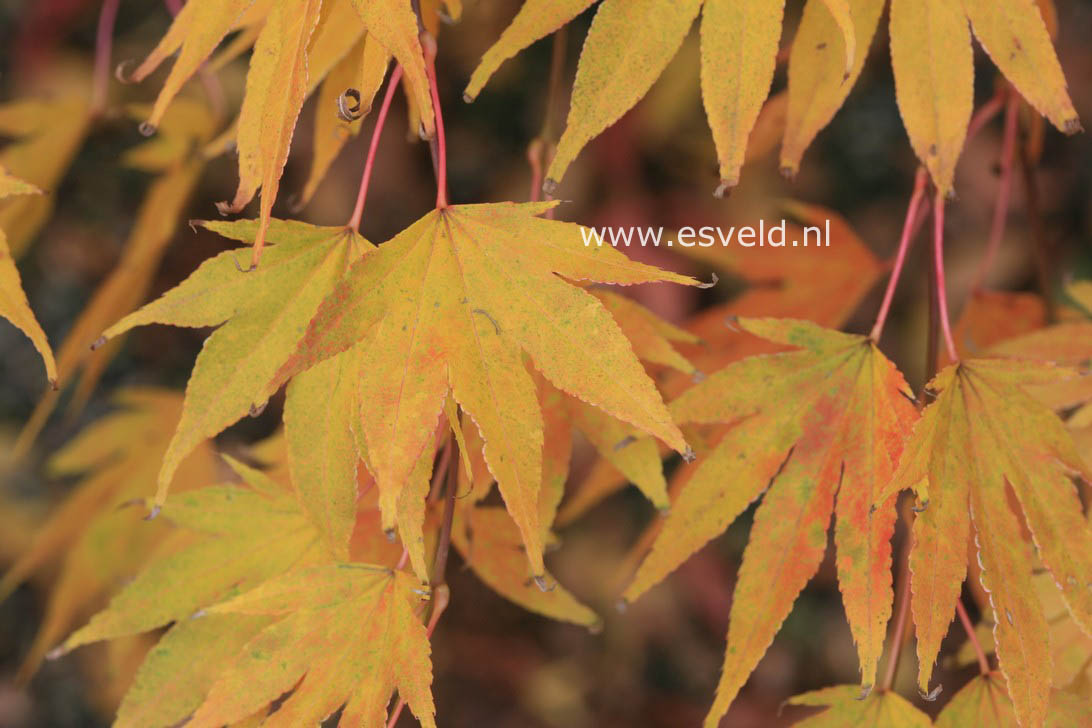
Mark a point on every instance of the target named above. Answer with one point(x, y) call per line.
point(1016, 39)
point(781, 283)
point(490, 543)
point(984, 701)
point(933, 62)
point(991, 317)
point(826, 419)
point(818, 77)
point(13, 301)
point(170, 156)
point(344, 634)
point(845, 707)
point(98, 542)
point(262, 313)
point(981, 437)
point(457, 299)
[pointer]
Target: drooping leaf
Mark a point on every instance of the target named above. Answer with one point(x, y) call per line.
point(276, 86)
point(170, 156)
point(344, 633)
point(1015, 36)
point(457, 299)
point(846, 708)
point(982, 436)
point(739, 53)
point(821, 421)
point(263, 313)
point(13, 301)
point(628, 45)
point(536, 19)
point(490, 543)
point(934, 81)
point(818, 79)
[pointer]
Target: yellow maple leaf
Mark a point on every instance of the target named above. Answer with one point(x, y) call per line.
point(456, 300)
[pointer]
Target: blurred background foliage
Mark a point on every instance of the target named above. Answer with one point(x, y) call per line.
point(496, 664)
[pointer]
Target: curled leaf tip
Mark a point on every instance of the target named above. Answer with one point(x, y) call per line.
point(788, 172)
point(467, 98)
point(689, 455)
point(56, 653)
point(53, 384)
point(1072, 126)
point(711, 283)
point(146, 129)
point(596, 627)
point(389, 534)
point(549, 186)
point(348, 105)
point(920, 507)
point(731, 322)
point(932, 695)
point(621, 605)
point(99, 342)
point(866, 690)
point(224, 208)
point(256, 410)
point(724, 189)
point(121, 71)
point(544, 585)
point(154, 512)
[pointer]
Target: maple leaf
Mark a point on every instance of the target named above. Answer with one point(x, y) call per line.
point(344, 633)
point(98, 541)
point(983, 701)
point(170, 156)
point(630, 42)
point(491, 545)
point(845, 707)
point(456, 299)
point(983, 433)
point(263, 314)
point(821, 421)
point(222, 546)
point(13, 301)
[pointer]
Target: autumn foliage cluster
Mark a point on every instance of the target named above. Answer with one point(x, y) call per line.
point(306, 572)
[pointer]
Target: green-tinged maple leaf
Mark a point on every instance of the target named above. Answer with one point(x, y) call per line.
point(263, 312)
point(983, 701)
point(222, 547)
point(824, 421)
point(630, 42)
point(98, 540)
point(457, 299)
point(13, 301)
point(170, 156)
point(345, 633)
point(845, 707)
point(982, 436)
point(490, 543)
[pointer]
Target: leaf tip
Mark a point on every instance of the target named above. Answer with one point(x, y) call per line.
point(724, 189)
point(467, 97)
point(549, 186)
point(711, 283)
point(156, 508)
point(1072, 126)
point(621, 605)
point(121, 71)
point(932, 695)
point(688, 455)
point(866, 690)
point(98, 343)
point(57, 652)
point(542, 584)
point(146, 128)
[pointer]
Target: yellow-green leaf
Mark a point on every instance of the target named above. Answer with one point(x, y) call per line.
point(934, 81)
point(628, 45)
